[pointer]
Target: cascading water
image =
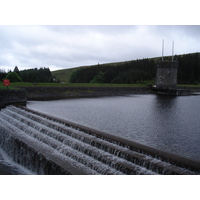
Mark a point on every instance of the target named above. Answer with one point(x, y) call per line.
point(47, 145)
point(9, 167)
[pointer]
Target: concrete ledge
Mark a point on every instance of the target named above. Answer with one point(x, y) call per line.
point(173, 92)
point(9, 97)
point(53, 93)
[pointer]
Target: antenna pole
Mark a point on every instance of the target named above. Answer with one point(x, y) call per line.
point(162, 49)
point(172, 51)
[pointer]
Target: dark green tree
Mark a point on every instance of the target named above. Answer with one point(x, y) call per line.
point(16, 70)
point(2, 74)
point(99, 78)
point(13, 77)
point(36, 75)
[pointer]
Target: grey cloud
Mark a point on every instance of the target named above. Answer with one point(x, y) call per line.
point(72, 46)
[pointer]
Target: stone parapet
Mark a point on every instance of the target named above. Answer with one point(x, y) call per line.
point(9, 97)
point(54, 93)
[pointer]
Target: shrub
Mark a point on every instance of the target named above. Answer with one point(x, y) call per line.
point(13, 77)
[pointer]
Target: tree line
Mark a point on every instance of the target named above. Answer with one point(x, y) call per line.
point(138, 71)
point(128, 72)
point(2, 74)
point(36, 75)
point(29, 75)
point(189, 68)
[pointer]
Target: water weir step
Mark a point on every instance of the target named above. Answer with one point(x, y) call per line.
point(48, 145)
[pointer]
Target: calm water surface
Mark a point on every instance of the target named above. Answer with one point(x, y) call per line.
point(168, 123)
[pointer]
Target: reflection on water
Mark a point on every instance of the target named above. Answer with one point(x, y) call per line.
point(168, 123)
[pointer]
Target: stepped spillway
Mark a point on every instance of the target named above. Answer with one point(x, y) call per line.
point(47, 145)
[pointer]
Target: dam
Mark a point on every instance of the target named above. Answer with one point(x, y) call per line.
point(49, 145)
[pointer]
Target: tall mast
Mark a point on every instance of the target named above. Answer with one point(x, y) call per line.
point(172, 51)
point(162, 49)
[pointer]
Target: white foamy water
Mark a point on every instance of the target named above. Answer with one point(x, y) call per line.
point(7, 165)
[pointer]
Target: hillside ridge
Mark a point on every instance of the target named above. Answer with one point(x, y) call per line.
point(64, 74)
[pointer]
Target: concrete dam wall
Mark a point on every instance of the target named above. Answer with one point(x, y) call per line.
point(59, 92)
point(8, 97)
point(49, 145)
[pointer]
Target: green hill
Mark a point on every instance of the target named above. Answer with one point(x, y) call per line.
point(64, 74)
point(131, 72)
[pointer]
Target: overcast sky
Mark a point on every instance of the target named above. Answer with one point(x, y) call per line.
point(67, 46)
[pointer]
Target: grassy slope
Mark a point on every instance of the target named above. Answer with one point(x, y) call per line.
point(64, 75)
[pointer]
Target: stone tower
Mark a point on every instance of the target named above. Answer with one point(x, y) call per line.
point(166, 75)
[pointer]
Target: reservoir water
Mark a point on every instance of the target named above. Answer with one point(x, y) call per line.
point(167, 123)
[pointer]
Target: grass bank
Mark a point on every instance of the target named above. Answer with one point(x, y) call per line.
point(23, 84)
point(2, 87)
point(27, 84)
point(197, 86)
